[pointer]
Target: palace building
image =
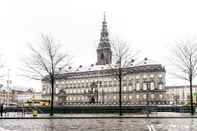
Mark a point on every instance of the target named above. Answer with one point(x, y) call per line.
point(98, 84)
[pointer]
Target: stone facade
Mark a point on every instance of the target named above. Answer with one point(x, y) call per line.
point(180, 95)
point(102, 86)
point(99, 84)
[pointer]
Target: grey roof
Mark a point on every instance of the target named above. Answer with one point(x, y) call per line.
point(109, 70)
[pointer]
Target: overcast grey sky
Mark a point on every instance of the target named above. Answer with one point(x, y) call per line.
point(151, 26)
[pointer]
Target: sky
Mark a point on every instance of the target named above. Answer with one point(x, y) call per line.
point(151, 26)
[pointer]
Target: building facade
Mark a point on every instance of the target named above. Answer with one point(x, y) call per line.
point(98, 83)
point(6, 97)
point(180, 95)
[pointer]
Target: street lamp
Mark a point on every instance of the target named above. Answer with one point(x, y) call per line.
point(147, 96)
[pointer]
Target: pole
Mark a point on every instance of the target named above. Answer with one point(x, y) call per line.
point(191, 96)
point(120, 91)
point(52, 96)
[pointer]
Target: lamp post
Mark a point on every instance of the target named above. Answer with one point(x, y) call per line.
point(185, 88)
point(147, 96)
point(7, 95)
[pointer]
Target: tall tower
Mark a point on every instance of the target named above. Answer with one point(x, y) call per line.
point(104, 53)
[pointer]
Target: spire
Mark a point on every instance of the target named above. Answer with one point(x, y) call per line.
point(104, 53)
point(104, 40)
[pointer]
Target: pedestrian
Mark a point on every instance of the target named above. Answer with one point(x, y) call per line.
point(1, 110)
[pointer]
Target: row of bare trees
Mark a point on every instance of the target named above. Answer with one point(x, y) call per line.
point(46, 60)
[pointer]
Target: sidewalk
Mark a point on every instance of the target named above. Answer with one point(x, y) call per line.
point(92, 116)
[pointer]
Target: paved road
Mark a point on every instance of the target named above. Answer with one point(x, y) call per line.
point(98, 124)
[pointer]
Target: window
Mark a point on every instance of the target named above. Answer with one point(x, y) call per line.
point(160, 75)
point(160, 86)
point(125, 97)
point(130, 82)
point(137, 77)
point(114, 89)
point(152, 87)
point(138, 86)
point(109, 89)
point(130, 88)
point(144, 86)
point(124, 88)
point(130, 97)
point(152, 96)
point(144, 76)
point(124, 78)
point(137, 96)
point(114, 97)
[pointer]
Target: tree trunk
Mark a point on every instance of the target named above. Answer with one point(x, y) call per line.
point(120, 91)
point(191, 96)
point(52, 96)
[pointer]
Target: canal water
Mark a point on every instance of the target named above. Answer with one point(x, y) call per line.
point(123, 124)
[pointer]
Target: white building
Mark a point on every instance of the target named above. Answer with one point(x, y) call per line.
point(22, 96)
point(98, 84)
point(180, 95)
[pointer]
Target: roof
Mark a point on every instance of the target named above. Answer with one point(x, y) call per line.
point(147, 61)
point(94, 67)
point(148, 66)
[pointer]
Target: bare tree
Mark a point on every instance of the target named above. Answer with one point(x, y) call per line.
point(123, 57)
point(45, 61)
point(185, 60)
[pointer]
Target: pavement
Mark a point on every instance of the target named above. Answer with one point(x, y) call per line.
point(14, 115)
